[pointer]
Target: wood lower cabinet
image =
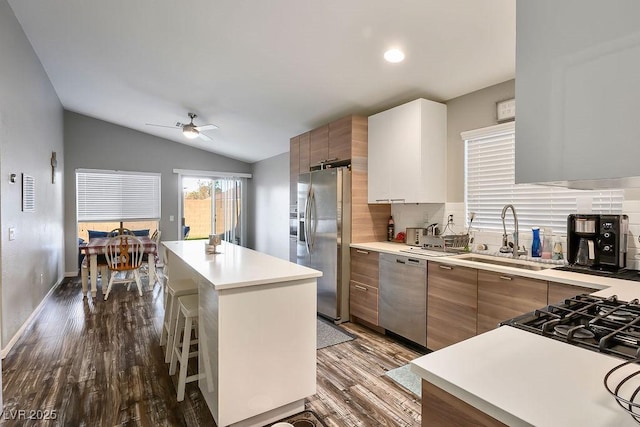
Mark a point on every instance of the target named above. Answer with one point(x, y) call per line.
point(441, 409)
point(504, 296)
point(558, 292)
point(363, 287)
point(452, 304)
point(363, 302)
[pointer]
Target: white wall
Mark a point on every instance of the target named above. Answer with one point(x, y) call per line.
point(268, 229)
point(31, 127)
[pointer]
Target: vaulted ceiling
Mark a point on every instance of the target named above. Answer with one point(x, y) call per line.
point(263, 71)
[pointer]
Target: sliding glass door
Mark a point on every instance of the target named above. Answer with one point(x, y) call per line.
point(213, 205)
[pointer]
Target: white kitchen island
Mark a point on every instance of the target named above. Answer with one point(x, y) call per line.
point(257, 330)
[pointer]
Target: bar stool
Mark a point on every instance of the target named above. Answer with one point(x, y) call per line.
point(187, 315)
point(84, 274)
point(175, 289)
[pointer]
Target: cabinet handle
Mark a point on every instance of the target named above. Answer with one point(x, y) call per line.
point(382, 200)
point(415, 261)
point(360, 251)
point(445, 267)
point(399, 261)
point(506, 278)
point(397, 200)
point(362, 288)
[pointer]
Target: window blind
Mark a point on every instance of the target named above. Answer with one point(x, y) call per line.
point(117, 195)
point(490, 184)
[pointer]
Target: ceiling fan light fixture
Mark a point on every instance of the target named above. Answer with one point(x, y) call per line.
point(190, 132)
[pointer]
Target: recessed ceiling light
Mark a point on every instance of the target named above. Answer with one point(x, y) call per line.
point(394, 55)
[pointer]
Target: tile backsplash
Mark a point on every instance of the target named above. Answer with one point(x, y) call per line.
point(421, 215)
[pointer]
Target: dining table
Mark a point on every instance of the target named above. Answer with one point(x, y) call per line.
point(97, 246)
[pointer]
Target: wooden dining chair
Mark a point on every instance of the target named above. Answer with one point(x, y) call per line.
point(119, 231)
point(124, 253)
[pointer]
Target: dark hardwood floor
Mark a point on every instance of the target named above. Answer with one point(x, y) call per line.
point(99, 363)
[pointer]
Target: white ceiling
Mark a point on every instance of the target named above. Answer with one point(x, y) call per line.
point(263, 71)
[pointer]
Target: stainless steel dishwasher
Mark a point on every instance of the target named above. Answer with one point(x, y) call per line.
point(403, 296)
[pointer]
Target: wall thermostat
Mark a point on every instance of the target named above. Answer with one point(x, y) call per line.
point(506, 110)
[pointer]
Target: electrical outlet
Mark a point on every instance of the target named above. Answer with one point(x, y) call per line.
point(12, 233)
point(41, 278)
point(450, 219)
point(171, 218)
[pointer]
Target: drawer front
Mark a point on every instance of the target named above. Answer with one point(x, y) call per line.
point(504, 296)
point(363, 302)
point(364, 266)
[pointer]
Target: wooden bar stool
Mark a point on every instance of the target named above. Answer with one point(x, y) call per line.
point(186, 318)
point(175, 289)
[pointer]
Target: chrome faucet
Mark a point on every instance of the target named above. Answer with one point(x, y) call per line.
point(505, 240)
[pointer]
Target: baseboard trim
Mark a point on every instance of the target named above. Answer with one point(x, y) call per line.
point(6, 349)
point(71, 273)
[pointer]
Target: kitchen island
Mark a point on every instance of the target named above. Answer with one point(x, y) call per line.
point(257, 330)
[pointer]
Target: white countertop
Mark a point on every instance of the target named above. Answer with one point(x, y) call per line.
point(521, 378)
point(236, 266)
point(625, 289)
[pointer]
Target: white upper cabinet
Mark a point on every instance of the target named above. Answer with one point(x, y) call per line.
point(578, 92)
point(407, 153)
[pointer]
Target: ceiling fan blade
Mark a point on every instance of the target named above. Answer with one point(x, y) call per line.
point(161, 126)
point(206, 127)
point(205, 137)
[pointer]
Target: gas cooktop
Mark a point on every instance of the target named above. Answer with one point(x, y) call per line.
point(607, 325)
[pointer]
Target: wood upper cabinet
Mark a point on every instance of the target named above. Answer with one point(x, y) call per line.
point(319, 145)
point(407, 153)
point(504, 296)
point(304, 152)
point(558, 292)
point(340, 136)
point(363, 286)
point(452, 304)
point(332, 142)
point(294, 169)
point(574, 91)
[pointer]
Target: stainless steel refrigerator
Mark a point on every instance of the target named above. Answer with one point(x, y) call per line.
point(324, 235)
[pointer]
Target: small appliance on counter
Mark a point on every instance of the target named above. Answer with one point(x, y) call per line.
point(597, 242)
point(414, 236)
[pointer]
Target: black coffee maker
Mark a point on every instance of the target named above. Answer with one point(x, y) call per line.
point(597, 242)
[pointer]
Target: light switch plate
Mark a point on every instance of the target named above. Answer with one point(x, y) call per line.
point(171, 218)
point(12, 233)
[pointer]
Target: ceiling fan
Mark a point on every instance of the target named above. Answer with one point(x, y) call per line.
point(190, 130)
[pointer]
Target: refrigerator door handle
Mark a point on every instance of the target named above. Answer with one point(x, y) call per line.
point(313, 218)
point(307, 221)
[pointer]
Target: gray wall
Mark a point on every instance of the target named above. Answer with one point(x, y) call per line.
point(31, 127)
point(268, 229)
point(471, 111)
point(94, 144)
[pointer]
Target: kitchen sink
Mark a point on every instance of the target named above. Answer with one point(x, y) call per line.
point(505, 262)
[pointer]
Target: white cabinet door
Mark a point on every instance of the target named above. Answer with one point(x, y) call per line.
point(577, 90)
point(407, 154)
point(380, 133)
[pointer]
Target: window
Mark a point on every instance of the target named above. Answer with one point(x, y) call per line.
point(117, 196)
point(489, 185)
point(213, 203)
